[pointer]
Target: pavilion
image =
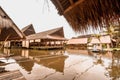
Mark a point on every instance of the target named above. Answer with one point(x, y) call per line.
point(50, 39)
point(8, 30)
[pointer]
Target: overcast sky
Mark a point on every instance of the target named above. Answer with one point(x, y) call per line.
point(37, 12)
point(41, 14)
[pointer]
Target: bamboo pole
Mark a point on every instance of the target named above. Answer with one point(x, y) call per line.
point(4, 41)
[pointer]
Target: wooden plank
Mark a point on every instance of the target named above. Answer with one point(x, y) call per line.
point(73, 5)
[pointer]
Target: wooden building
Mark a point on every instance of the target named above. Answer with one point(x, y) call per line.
point(8, 30)
point(102, 42)
point(77, 43)
point(28, 30)
point(45, 40)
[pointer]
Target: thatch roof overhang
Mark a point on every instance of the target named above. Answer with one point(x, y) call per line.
point(28, 30)
point(54, 34)
point(8, 29)
point(84, 14)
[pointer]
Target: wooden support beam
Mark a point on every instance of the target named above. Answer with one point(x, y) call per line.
point(71, 1)
point(60, 6)
point(73, 5)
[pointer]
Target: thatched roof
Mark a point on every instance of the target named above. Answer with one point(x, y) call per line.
point(28, 30)
point(103, 39)
point(8, 29)
point(77, 41)
point(81, 14)
point(57, 34)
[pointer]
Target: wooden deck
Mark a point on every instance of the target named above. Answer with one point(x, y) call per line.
point(46, 47)
point(12, 75)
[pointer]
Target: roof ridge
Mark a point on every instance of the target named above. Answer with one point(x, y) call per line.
point(44, 33)
point(26, 27)
point(49, 30)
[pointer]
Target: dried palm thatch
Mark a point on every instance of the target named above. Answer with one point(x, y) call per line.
point(81, 14)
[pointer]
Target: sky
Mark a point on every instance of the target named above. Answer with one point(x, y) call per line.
point(42, 14)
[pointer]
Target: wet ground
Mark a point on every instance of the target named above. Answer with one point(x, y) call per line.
point(62, 64)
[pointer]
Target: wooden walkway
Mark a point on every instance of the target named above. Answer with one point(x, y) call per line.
point(12, 75)
point(46, 47)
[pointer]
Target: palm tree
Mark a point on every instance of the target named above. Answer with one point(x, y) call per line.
point(117, 35)
point(112, 33)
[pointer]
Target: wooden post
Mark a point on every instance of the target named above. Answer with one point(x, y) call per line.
point(100, 46)
point(71, 1)
point(108, 46)
point(61, 43)
point(54, 43)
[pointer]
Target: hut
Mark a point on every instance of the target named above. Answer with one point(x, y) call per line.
point(28, 30)
point(8, 29)
point(77, 43)
point(103, 42)
point(84, 14)
point(45, 40)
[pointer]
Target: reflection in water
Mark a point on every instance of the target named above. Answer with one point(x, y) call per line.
point(113, 70)
point(98, 59)
point(56, 62)
point(27, 65)
point(54, 65)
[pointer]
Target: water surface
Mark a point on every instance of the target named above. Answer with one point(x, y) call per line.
point(62, 64)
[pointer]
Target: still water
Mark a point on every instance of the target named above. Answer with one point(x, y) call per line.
point(62, 64)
